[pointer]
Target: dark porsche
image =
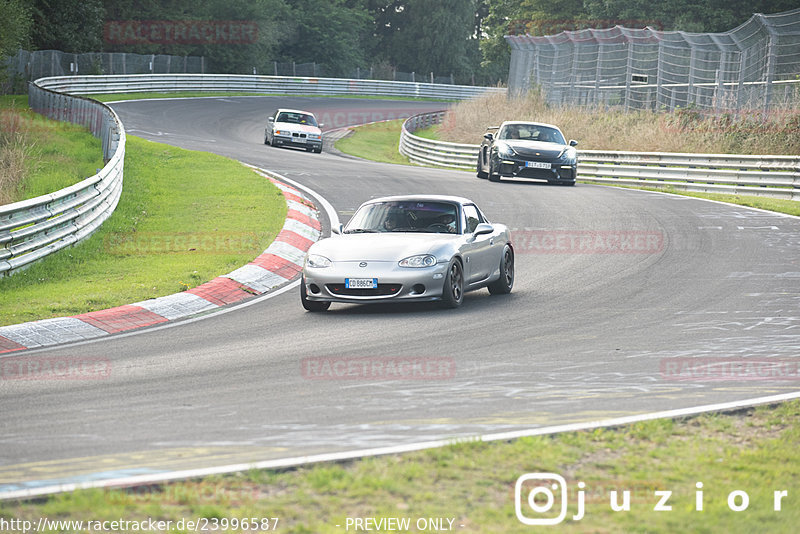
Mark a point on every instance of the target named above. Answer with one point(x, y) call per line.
point(528, 150)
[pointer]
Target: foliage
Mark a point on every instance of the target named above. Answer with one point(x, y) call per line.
point(460, 37)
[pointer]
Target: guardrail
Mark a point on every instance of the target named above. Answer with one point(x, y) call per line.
point(33, 228)
point(768, 176)
point(134, 83)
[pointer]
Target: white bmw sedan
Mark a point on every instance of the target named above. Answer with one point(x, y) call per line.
point(292, 127)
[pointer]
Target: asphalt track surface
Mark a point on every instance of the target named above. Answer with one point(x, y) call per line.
point(585, 335)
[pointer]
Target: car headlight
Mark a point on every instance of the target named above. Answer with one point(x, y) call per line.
point(423, 260)
point(568, 154)
point(314, 136)
point(282, 132)
point(315, 261)
point(504, 150)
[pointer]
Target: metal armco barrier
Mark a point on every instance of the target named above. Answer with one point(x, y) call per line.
point(767, 176)
point(134, 83)
point(33, 228)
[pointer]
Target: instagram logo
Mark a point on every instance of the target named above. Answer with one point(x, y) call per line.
point(540, 498)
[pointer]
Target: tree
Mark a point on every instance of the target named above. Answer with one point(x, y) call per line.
point(331, 32)
point(15, 25)
point(67, 25)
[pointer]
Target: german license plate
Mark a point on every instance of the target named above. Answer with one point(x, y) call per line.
point(303, 140)
point(360, 283)
point(537, 164)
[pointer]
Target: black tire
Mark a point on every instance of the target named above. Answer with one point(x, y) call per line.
point(493, 176)
point(312, 305)
point(453, 290)
point(503, 285)
point(266, 139)
point(481, 174)
point(319, 150)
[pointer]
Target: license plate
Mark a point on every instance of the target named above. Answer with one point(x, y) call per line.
point(360, 283)
point(302, 140)
point(537, 164)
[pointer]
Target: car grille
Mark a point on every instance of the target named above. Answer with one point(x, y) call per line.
point(538, 174)
point(382, 290)
point(295, 134)
point(537, 155)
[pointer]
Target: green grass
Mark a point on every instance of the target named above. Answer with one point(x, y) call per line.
point(195, 94)
point(380, 142)
point(473, 483)
point(59, 154)
point(431, 133)
point(173, 200)
point(377, 142)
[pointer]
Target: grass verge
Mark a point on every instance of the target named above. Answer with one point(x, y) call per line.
point(38, 155)
point(472, 483)
point(377, 144)
point(379, 141)
point(684, 130)
point(183, 218)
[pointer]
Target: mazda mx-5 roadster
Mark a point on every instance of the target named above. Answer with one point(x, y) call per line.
point(409, 248)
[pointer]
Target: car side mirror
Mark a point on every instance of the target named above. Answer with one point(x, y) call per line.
point(483, 228)
point(573, 142)
point(338, 230)
point(321, 124)
point(488, 136)
point(271, 119)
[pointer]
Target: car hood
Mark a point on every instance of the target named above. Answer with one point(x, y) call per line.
point(536, 148)
point(381, 246)
point(305, 128)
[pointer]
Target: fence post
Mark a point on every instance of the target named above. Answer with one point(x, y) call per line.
point(771, 55)
point(629, 74)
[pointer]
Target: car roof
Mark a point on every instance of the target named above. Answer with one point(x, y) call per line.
point(423, 198)
point(531, 122)
point(281, 110)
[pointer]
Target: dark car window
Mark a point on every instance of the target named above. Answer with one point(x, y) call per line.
point(405, 216)
point(296, 118)
point(473, 218)
point(531, 132)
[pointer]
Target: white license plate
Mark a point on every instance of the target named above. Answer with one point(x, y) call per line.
point(361, 283)
point(302, 140)
point(537, 164)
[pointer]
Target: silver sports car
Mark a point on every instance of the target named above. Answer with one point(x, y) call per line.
point(415, 247)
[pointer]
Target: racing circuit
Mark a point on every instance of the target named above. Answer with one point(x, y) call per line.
point(585, 335)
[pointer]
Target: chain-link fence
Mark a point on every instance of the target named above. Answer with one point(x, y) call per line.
point(27, 66)
point(756, 66)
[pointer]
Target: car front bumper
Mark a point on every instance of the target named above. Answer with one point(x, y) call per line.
point(518, 168)
point(394, 282)
point(295, 141)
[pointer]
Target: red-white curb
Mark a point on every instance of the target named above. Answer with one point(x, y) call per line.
point(281, 262)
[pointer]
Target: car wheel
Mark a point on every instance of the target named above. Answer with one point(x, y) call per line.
point(453, 291)
point(493, 176)
point(503, 285)
point(318, 150)
point(311, 305)
point(266, 139)
point(481, 174)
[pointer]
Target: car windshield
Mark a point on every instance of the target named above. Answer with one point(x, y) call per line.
point(296, 118)
point(405, 216)
point(531, 132)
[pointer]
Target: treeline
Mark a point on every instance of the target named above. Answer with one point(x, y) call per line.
point(459, 37)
